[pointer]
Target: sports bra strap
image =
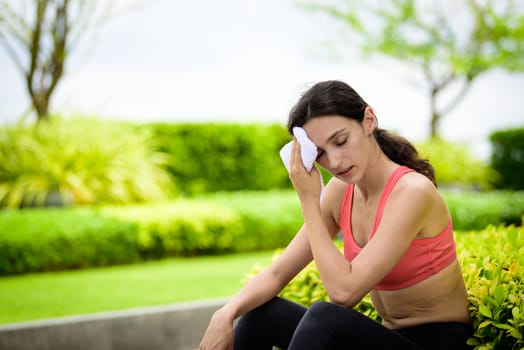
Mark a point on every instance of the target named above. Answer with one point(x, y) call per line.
point(392, 181)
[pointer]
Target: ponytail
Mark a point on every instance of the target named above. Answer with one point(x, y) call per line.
point(401, 151)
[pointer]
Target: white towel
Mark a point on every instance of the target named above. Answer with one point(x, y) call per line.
point(308, 150)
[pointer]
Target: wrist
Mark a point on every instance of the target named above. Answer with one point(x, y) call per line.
point(311, 206)
point(224, 314)
point(311, 213)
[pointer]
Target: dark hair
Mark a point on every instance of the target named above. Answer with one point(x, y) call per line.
point(335, 97)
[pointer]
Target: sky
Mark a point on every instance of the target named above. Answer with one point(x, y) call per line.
point(247, 61)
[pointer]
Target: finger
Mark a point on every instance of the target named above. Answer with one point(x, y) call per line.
point(296, 154)
point(293, 152)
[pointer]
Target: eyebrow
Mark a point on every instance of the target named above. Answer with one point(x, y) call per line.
point(334, 135)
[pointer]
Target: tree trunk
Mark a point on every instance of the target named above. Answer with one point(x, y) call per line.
point(435, 115)
point(41, 104)
point(435, 120)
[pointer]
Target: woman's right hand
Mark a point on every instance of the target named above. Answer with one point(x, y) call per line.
point(218, 335)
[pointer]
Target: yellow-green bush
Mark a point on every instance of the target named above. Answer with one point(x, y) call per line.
point(493, 266)
point(492, 262)
point(455, 165)
point(86, 160)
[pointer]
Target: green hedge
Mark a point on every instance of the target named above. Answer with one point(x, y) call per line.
point(213, 224)
point(476, 210)
point(55, 239)
point(83, 159)
point(508, 158)
point(223, 156)
point(230, 156)
point(492, 263)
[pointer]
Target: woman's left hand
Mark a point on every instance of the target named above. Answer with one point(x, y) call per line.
point(307, 184)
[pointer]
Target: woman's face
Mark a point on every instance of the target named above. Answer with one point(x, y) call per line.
point(343, 144)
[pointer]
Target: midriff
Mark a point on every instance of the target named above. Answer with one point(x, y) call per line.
point(439, 298)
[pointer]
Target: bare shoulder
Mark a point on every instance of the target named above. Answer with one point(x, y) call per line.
point(416, 185)
point(416, 196)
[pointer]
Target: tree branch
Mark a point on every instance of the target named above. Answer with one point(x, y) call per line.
point(14, 56)
point(458, 97)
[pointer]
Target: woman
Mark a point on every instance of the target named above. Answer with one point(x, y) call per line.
point(398, 245)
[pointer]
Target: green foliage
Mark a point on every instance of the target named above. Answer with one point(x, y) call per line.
point(306, 288)
point(208, 224)
point(455, 165)
point(88, 160)
point(223, 156)
point(492, 262)
point(493, 266)
point(448, 43)
point(56, 239)
point(181, 228)
point(507, 158)
point(269, 218)
point(476, 210)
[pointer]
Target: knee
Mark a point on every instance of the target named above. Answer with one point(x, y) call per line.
point(328, 314)
point(265, 313)
point(322, 308)
point(319, 314)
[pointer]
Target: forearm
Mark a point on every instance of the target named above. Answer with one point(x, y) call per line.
point(332, 266)
point(256, 292)
point(219, 333)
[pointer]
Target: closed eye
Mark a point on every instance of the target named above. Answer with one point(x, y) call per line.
point(341, 142)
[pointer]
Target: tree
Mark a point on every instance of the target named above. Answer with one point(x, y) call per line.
point(39, 36)
point(450, 42)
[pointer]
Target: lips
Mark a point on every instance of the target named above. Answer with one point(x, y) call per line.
point(345, 172)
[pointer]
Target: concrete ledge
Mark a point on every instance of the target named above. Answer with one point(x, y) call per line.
point(173, 327)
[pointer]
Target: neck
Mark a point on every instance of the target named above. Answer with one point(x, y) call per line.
point(377, 174)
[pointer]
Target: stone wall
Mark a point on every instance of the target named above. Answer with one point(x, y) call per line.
point(173, 327)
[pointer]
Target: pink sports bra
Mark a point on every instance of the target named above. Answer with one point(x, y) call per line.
point(423, 258)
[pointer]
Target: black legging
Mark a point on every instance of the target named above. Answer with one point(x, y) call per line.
point(324, 325)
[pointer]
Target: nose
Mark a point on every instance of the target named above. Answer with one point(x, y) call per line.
point(334, 159)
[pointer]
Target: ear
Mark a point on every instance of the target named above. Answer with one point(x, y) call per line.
point(369, 123)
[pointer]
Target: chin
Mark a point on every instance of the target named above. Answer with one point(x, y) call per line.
point(346, 179)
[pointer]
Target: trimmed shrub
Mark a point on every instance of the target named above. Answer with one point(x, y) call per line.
point(182, 228)
point(86, 160)
point(223, 156)
point(492, 263)
point(270, 218)
point(208, 224)
point(507, 158)
point(54, 239)
point(476, 210)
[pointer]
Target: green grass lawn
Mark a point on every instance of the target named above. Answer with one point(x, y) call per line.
point(44, 295)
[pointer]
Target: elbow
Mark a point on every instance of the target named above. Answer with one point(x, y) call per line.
point(346, 301)
point(344, 297)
